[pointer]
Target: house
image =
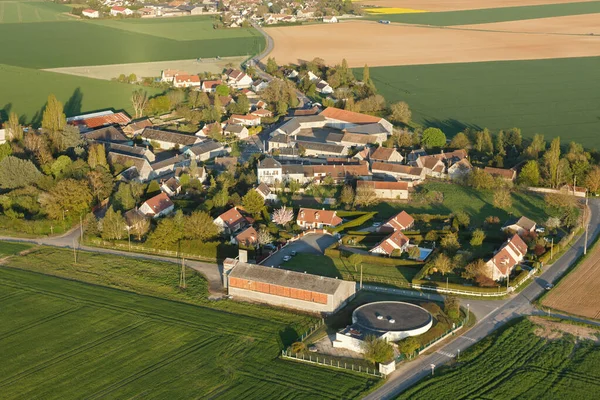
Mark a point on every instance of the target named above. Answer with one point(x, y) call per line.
point(134, 151)
point(88, 12)
point(259, 84)
point(283, 288)
point(185, 81)
point(167, 140)
point(511, 253)
point(269, 171)
point(397, 242)
point(238, 79)
point(316, 149)
point(357, 140)
point(338, 173)
point(309, 218)
point(386, 190)
point(206, 150)
point(262, 113)
point(226, 163)
point(231, 221)
point(265, 192)
point(324, 88)
point(134, 218)
point(460, 170)
point(399, 222)
point(210, 129)
point(414, 154)
point(522, 226)
point(109, 134)
point(236, 130)
point(169, 165)
point(398, 172)
point(246, 120)
point(452, 157)
point(210, 86)
point(330, 20)
point(171, 187)
point(158, 206)
point(384, 154)
point(136, 127)
point(168, 75)
point(501, 173)
point(248, 237)
point(138, 167)
point(433, 166)
point(343, 119)
point(118, 10)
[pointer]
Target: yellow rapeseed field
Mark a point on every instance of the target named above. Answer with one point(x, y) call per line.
point(393, 10)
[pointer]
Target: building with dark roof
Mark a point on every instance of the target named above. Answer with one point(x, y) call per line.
point(109, 134)
point(169, 140)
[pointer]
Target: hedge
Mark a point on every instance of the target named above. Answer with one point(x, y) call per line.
point(558, 247)
point(354, 223)
point(520, 278)
point(434, 284)
point(343, 214)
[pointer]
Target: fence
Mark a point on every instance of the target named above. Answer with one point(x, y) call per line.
point(311, 330)
point(330, 363)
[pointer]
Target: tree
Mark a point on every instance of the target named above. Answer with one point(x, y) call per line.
point(408, 346)
point(167, 234)
point(97, 156)
point(452, 307)
point(553, 223)
point(198, 99)
point(253, 203)
point(347, 196)
point(477, 238)
point(479, 179)
point(433, 137)
point(355, 260)
point(530, 174)
point(502, 198)
point(38, 145)
point(153, 188)
point(241, 105)
point(460, 141)
point(400, 112)
point(67, 197)
point(54, 120)
point(551, 161)
point(271, 66)
point(463, 218)
point(513, 137)
point(60, 166)
point(113, 225)
point(443, 264)
point(200, 226)
point(431, 236)
point(139, 100)
point(176, 97)
point(377, 350)
point(15, 172)
point(450, 243)
point(283, 216)
point(538, 144)
point(158, 105)
point(100, 182)
point(264, 237)
point(140, 225)
point(124, 199)
point(414, 252)
point(365, 197)
point(221, 90)
point(14, 130)
point(474, 269)
point(366, 77)
point(592, 180)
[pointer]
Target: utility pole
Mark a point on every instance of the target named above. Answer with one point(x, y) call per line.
point(552, 250)
point(74, 252)
point(80, 228)
point(586, 227)
point(507, 281)
point(361, 276)
point(182, 283)
point(432, 369)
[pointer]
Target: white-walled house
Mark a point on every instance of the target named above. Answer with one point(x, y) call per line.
point(506, 258)
point(88, 12)
point(157, 206)
point(118, 10)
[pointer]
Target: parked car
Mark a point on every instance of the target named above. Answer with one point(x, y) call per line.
point(293, 253)
point(287, 258)
point(376, 224)
point(312, 348)
point(549, 286)
point(540, 230)
point(269, 246)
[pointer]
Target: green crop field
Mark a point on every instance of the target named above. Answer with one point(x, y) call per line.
point(10, 248)
point(517, 364)
point(554, 97)
point(25, 91)
point(67, 339)
point(22, 12)
point(489, 15)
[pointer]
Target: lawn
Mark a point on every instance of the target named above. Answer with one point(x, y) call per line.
point(100, 342)
point(500, 95)
point(479, 204)
point(78, 43)
point(515, 363)
point(19, 11)
point(25, 91)
point(489, 15)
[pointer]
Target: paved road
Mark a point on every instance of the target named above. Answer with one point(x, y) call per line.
point(312, 243)
point(503, 311)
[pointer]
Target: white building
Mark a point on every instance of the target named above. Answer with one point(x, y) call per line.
point(158, 206)
point(118, 10)
point(88, 12)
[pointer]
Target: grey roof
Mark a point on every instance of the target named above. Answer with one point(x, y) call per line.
point(269, 163)
point(325, 147)
point(107, 134)
point(369, 129)
point(280, 139)
point(406, 316)
point(290, 126)
point(126, 160)
point(292, 169)
point(525, 223)
point(263, 188)
point(179, 159)
point(205, 147)
point(234, 128)
point(290, 279)
point(335, 137)
point(136, 151)
point(169, 137)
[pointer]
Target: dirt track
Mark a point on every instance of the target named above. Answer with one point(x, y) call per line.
point(455, 5)
point(578, 292)
point(381, 45)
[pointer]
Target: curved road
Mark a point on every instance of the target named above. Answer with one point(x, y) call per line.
point(504, 310)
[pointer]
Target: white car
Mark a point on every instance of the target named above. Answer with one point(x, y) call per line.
point(287, 258)
point(540, 230)
point(376, 224)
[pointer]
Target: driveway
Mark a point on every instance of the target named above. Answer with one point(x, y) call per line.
point(314, 243)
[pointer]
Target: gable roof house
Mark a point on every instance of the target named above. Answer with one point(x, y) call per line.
point(246, 120)
point(522, 226)
point(399, 222)
point(88, 12)
point(210, 86)
point(414, 154)
point(248, 237)
point(433, 166)
point(169, 140)
point(231, 221)
point(118, 10)
point(259, 84)
point(239, 131)
point(511, 253)
point(171, 187)
point(397, 241)
point(137, 127)
point(324, 88)
point(309, 218)
point(460, 170)
point(238, 79)
point(317, 149)
point(157, 206)
point(386, 190)
point(109, 134)
point(206, 150)
point(265, 192)
point(185, 81)
point(97, 120)
point(269, 171)
point(136, 168)
point(398, 172)
point(168, 75)
point(384, 154)
point(134, 218)
point(505, 174)
point(168, 165)
point(134, 151)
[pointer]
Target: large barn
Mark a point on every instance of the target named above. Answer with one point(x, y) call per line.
point(284, 288)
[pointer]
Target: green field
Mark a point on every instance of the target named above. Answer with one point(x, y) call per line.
point(517, 364)
point(66, 339)
point(554, 97)
point(26, 90)
point(10, 248)
point(489, 15)
point(23, 12)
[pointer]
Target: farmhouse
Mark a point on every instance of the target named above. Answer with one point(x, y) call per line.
point(118, 10)
point(397, 242)
point(185, 81)
point(384, 154)
point(501, 173)
point(506, 258)
point(398, 172)
point(522, 226)
point(88, 12)
point(167, 140)
point(278, 287)
point(432, 165)
point(248, 237)
point(238, 79)
point(157, 206)
point(386, 190)
point(231, 221)
point(168, 75)
point(399, 222)
point(309, 218)
point(206, 150)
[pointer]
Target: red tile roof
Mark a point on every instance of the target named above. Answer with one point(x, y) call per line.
point(311, 215)
point(501, 173)
point(247, 237)
point(159, 203)
point(118, 8)
point(95, 122)
point(232, 217)
point(395, 241)
point(187, 78)
point(400, 221)
point(510, 254)
point(349, 116)
point(210, 84)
